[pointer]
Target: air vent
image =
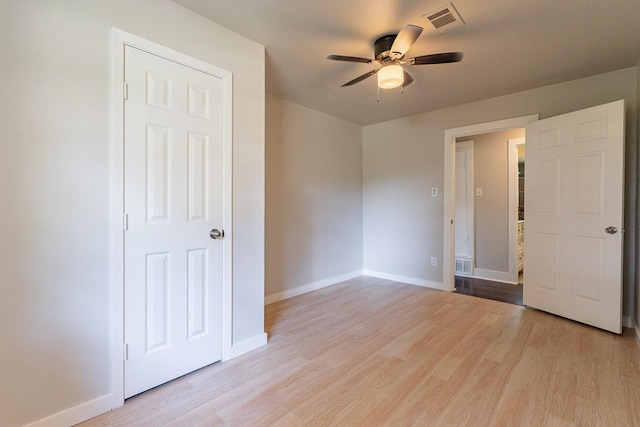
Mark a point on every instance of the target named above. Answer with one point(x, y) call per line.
point(464, 266)
point(445, 18)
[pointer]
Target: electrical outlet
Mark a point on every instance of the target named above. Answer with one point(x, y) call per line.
point(479, 192)
point(434, 191)
point(434, 261)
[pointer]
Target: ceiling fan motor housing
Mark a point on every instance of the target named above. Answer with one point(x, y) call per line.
point(382, 46)
point(389, 52)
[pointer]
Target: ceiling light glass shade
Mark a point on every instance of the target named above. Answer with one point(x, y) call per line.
point(390, 77)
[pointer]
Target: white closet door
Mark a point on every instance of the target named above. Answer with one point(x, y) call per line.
point(173, 198)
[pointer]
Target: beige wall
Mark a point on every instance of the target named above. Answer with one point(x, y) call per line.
point(55, 186)
point(314, 198)
point(490, 172)
point(404, 158)
point(636, 235)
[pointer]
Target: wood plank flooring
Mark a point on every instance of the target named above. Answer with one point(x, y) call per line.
point(372, 352)
point(489, 289)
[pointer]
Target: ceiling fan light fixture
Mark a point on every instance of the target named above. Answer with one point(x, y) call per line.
point(390, 76)
point(390, 51)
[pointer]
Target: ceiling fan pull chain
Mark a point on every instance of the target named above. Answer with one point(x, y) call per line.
point(378, 100)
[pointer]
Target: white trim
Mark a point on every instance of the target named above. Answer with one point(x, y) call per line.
point(290, 293)
point(117, 235)
point(496, 276)
point(628, 322)
point(227, 216)
point(408, 280)
point(77, 414)
point(450, 135)
point(246, 346)
point(119, 39)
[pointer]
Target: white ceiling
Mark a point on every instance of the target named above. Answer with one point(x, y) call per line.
point(509, 46)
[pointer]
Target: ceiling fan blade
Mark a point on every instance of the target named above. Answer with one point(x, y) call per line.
point(408, 80)
point(404, 40)
point(436, 58)
point(349, 59)
point(361, 78)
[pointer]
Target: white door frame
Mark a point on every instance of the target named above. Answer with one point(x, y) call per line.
point(119, 39)
point(450, 136)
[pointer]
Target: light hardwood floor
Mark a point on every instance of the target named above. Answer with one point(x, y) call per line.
point(373, 352)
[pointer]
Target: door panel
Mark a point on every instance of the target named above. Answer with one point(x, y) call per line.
point(464, 248)
point(464, 236)
point(173, 198)
point(574, 191)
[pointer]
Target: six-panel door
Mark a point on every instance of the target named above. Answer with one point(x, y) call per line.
point(574, 192)
point(173, 198)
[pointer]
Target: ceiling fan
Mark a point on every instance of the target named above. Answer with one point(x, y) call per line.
point(389, 53)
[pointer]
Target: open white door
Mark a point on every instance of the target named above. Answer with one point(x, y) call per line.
point(574, 198)
point(173, 198)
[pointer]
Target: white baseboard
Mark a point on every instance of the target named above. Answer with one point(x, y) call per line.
point(290, 293)
point(100, 405)
point(627, 322)
point(496, 276)
point(246, 346)
point(76, 414)
point(408, 280)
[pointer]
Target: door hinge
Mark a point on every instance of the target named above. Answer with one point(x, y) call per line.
point(125, 352)
point(125, 91)
point(125, 222)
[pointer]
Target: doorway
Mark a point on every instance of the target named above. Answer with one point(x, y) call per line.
point(576, 168)
point(496, 272)
point(451, 137)
point(486, 214)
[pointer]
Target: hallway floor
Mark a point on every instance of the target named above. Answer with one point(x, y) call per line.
point(488, 289)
